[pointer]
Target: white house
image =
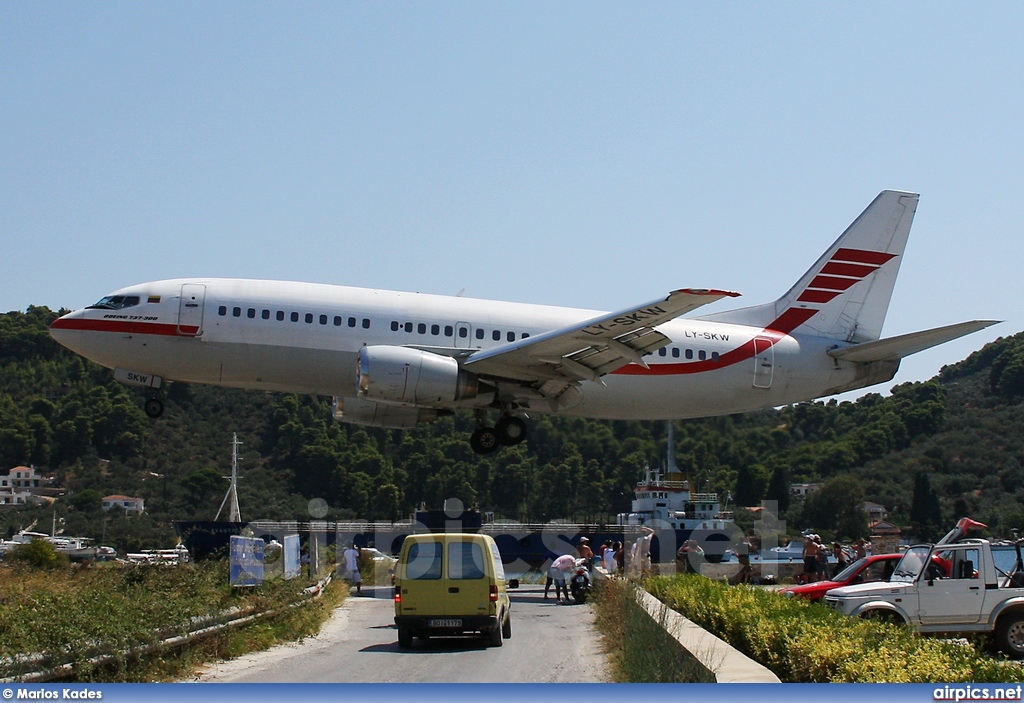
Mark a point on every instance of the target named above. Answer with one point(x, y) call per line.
point(127, 503)
point(19, 485)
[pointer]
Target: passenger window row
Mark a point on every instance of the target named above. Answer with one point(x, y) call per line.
point(420, 328)
point(450, 331)
point(689, 354)
point(309, 318)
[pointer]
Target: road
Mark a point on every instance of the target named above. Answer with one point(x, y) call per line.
point(550, 644)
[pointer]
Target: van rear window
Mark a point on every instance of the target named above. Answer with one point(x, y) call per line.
point(465, 560)
point(424, 561)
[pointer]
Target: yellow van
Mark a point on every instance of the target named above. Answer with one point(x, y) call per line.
point(451, 584)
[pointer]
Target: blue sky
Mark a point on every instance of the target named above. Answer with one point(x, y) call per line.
point(592, 154)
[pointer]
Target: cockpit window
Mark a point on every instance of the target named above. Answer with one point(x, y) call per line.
point(115, 302)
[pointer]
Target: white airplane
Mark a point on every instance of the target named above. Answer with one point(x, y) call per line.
point(396, 360)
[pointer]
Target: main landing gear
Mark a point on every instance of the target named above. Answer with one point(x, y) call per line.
point(509, 431)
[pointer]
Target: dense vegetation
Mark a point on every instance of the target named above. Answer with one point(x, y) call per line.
point(805, 642)
point(929, 452)
point(103, 621)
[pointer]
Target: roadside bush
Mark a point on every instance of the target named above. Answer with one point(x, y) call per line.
point(806, 642)
point(69, 615)
point(39, 554)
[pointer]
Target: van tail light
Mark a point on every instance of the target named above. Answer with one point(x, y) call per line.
point(494, 593)
point(398, 594)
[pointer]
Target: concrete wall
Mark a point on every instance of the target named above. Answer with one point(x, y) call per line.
point(725, 662)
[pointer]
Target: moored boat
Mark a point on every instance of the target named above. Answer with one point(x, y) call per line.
point(74, 548)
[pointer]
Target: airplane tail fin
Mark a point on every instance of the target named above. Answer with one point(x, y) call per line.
point(845, 294)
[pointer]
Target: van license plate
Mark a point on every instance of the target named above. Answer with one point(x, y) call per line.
point(445, 622)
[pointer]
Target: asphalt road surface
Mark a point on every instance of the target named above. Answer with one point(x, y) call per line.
point(550, 643)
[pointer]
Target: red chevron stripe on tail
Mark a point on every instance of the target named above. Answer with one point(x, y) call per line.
point(843, 270)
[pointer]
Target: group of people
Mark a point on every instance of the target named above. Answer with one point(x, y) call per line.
point(816, 557)
point(564, 564)
point(614, 558)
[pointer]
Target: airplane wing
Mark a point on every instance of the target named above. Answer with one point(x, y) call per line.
point(895, 348)
point(589, 350)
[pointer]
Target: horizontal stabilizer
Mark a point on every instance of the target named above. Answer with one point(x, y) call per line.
point(895, 348)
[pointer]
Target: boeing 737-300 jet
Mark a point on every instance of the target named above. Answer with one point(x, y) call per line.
point(393, 359)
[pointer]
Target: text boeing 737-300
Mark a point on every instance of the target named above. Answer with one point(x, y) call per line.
point(394, 359)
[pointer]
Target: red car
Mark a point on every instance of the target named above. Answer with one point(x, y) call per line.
point(877, 567)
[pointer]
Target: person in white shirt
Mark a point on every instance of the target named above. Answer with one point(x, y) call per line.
point(352, 567)
point(556, 574)
point(608, 557)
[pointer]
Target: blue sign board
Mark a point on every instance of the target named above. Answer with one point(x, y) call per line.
point(246, 561)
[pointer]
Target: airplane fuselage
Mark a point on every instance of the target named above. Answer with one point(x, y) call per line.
point(305, 338)
point(398, 360)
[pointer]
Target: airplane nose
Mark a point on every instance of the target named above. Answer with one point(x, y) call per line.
point(65, 332)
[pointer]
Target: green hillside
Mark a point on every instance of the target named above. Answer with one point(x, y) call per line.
point(929, 452)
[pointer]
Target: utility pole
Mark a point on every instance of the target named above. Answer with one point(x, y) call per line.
point(234, 514)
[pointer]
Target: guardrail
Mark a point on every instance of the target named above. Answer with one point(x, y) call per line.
point(44, 668)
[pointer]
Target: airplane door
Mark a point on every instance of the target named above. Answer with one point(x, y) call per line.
point(190, 309)
point(463, 335)
point(764, 362)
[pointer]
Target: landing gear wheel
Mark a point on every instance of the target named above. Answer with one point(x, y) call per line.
point(154, 407)
point(511, 430)
point(484, 440)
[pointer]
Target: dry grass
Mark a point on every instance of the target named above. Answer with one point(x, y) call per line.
point(71, 614)
point(639, 648)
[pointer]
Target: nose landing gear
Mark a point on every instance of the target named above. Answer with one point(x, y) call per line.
point(154, 406)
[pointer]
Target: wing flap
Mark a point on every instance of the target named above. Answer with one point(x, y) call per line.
point(895, 348)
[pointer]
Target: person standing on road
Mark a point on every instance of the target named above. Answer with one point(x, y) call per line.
point(821, 559)
point(352, 568)
point(643, 551)
point(556, 574)
point(585, 551)
point(810, 557)
point(840, 554)
point(608, 557)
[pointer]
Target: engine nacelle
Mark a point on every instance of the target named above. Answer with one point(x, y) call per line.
point(402, 375)
point(356, 411)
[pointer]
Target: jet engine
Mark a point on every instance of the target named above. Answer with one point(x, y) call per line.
point(356, 411)
point(389, 374)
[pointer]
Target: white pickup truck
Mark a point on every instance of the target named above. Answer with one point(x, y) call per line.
point(975, 598)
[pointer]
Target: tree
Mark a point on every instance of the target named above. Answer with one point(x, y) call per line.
point(38, 553)
point(202, 489)
point(925, 511)
point(778, 488)
point(388, 502)
point(838, 507)
point(87, 501)
point(751, 484)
